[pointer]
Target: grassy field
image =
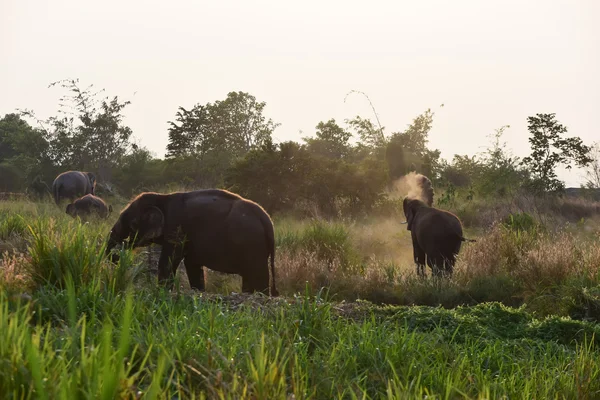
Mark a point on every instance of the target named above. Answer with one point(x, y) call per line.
point(519, 318)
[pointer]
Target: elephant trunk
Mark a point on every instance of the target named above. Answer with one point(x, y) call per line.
point(112, 243)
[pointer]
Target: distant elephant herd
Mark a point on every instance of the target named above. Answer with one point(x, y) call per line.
point(225, 232)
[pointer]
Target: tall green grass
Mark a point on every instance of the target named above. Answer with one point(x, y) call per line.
point(160, 346)
point(329, 241)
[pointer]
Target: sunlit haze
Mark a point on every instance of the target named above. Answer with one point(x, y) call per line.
point(491, 63)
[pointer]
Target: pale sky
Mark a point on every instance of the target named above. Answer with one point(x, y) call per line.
point(491, 63)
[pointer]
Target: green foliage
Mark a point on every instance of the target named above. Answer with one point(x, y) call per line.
point(463, 171)
point(500, 175)
point(89, 134)
point(371, 136)
point(520, 222)
point(332, 141)
point(236, 124)
point(11, 225)
point(11, 178)
point(63, 251)
point(329, 241)
point(549, 149)
point(448, 198)
point(416, 135)
point(208, 138)
point(23, 153)
point(304, 347)
point(407, 151)
point(282, 177)
point(139, 172)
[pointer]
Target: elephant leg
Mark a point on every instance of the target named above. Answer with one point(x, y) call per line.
point(436, 265)
point(195, 273)
point(419, 256)
point(256, 280)
point(449, 264)
point(170, 257)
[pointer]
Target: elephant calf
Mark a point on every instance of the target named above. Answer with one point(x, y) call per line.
point(436, 235)
point(88, 205)
point(210, 228)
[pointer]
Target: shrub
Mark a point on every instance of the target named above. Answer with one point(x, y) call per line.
point(329, 241)
point(520, 222)
point(11, 224)
point(73, 251)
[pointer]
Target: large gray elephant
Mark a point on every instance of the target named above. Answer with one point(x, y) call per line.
point(87, 206)
point(437, 237)
point(71, 185)
point(213, 228)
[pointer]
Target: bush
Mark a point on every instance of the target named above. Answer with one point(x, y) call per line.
point(11, 225)
point(520, 222)
point(329, 241)
point(70, 251)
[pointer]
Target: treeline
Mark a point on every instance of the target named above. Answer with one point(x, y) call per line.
point(343, 168)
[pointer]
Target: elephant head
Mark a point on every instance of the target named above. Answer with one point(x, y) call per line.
point(141, 222)
point(71, 209)
point(92, 177)
point(410, 207)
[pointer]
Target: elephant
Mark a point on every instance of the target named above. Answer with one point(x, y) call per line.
point(72, 185)
point(38, 189)
point(436, 234)
point(87, 205)
point(211, 228)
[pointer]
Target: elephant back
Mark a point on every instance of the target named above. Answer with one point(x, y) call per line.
point(72, 184)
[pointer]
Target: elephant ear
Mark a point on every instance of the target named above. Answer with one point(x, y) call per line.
point(70, 209)
point(92, 178)
point(151, 224)
point(410, 217)
point(409, 213)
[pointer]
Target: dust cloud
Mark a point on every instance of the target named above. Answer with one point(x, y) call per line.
point(414, 186)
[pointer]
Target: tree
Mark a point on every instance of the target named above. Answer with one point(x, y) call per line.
point(236, 124)
point(463, 171)
point(550, 149)
point(332, 141)
point(287, 176)
point(407, 151)
point(139, 171)
point(23, 152)
point(240, 122)
point(88, 133)
point(593, 170)
point(370, 136)
point(415, 138)
point(190, 134)
point(207, 139)
point(500, 173)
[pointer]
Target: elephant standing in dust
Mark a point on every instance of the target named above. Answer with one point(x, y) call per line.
point(88, 205)
point(213, 228)
point(72, 185)
point(436, 235)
